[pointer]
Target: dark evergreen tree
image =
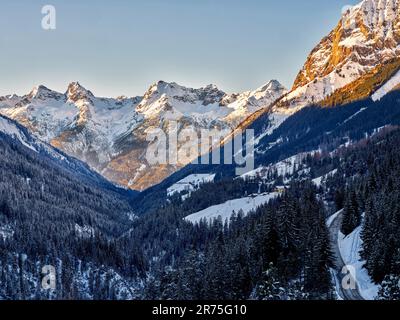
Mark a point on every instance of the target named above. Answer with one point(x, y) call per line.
point(390, 288)
point(351, 214)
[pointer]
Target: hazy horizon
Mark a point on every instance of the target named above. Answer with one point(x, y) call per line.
point(122, 47)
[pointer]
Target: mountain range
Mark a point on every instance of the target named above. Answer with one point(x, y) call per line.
point(323, 194)
point(110, 134)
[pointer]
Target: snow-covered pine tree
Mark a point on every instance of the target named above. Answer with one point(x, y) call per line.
point(269, 287)
point(390, 288)
point(351, 214)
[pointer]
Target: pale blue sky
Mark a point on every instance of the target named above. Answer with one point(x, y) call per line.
point(122, 46)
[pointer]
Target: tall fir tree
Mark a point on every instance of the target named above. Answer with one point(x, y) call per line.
point(351, 214)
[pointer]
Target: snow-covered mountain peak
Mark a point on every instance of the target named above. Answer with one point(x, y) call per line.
point(367, 35)
point(366, 42)
point(251, 101)
point(162, 96)
point(161, 87)
point(35, 91)
point(10, 100)
point(375, 13)
point(211, 87)
point(174, 90)
point(77, 92)
point(374, 21)
point(272, 87)
point(42, 93)
point(122, 98)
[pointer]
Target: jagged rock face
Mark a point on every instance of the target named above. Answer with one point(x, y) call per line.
point(76, 92)
point(111, 134)
point(366, 37)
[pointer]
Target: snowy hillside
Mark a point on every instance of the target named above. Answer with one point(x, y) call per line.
point(227, 209)
point(20, 134)
point(51, 204)
point(190, 183)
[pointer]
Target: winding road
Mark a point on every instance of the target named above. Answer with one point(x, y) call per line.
point(345, 294)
